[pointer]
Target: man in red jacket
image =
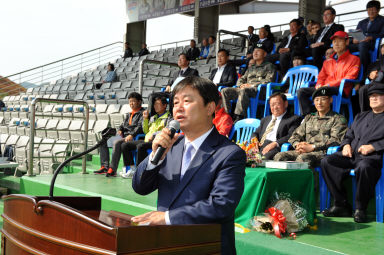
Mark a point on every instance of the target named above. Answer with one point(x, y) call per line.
point(341, 65)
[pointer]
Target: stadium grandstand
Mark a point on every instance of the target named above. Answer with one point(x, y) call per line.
point(54, 112)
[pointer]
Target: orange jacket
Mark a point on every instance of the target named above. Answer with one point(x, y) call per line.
point(223, 122)
point(334, 70)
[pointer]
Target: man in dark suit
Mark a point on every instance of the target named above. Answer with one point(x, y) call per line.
point(322, 40)
point(128, 53)
point(251, 37)
point(193, 52)
point(144, 50)
point(291, 45)
point(225, 74)
point(185, 70)
point(275, 129)
point(362, 150)
point(200, 178)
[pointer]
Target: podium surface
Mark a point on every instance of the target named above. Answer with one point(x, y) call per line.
point(77, 225)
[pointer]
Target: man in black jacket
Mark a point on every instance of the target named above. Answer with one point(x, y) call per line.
point(193, 53)
point(185, 70)
point(322, 40)
point(275, 129)
point(362, 150)
point(225, 74)
point(131, 127)
point(144, 50)
point(128, 53)
point(291, 45)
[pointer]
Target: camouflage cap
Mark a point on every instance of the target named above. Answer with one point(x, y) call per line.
point(322, 92)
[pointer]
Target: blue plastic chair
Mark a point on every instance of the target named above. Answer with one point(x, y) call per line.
point(244, 129)
point(339, 99)
point(299, 76)
point(325, 200)
point(373, 52)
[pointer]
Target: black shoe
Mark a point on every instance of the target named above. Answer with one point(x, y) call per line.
point(102, 170)
point(338, 211)
point(360, 216)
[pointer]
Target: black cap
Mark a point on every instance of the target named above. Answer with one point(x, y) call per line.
point(322, 92)
point(260, 46)
point(376, 87)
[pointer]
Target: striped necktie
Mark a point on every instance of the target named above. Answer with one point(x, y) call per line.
point(267, 131)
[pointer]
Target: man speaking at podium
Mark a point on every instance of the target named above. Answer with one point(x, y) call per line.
point(200, 177)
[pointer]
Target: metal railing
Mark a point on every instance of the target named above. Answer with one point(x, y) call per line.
point(221, 31)
point(141, 70)
point(170, 45)
point(32, 121)
point(65, 67)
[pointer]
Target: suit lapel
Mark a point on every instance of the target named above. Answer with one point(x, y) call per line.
point(205, 151)
point(176, 160)
point(267, 120)
point(281, 125)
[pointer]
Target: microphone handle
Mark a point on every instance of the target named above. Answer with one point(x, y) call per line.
point(160, 150)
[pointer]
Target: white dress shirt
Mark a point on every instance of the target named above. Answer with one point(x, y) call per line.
point(218, 74)
point(289, 41)
point(196, 144)
point(272, 135)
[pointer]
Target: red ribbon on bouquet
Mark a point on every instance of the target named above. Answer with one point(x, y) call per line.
point(278, 221)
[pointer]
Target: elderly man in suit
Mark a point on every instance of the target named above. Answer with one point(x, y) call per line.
point(200, 178)
point(275, 129)
point(322, 40)
point(225, 74)
point(362, 150)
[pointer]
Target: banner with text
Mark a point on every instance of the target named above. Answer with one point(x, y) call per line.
point(138, 10)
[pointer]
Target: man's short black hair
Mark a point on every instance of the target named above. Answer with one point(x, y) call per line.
point(251, 27)
point(162, 98)
point(331, 9)
point(375, 4)
point(135, 95)
point(278, 94)
point(224, 50)
point(193, 41)
point(297, 21)
point(206, 88)
point(185, 55)
point(213, 38)
point(112, 66)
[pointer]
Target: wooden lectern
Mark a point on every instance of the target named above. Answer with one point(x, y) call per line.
point(77, 225)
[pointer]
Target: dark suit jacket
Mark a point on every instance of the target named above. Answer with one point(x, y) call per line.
point(209, 191)
point(143, 52)
point(367, 128)
point(188, 72)
point(287, 125)
point(376, 29)
point(327, 37)
point(193, 54)
point(297, 44)
point(268, 44)
point(228, 78)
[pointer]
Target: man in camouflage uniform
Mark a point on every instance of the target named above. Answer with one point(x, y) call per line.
point(317, 132)
point(260, 73)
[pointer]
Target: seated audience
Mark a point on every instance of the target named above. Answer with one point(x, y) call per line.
point(375, 73)
point(275, 129)
point(372, 28)
point(212, 48)
point(185, 70)
point(144, 50)
point(341, 65)
point(362, 150)
point(110, 77)
point(225, 74)
point(328, 53)
point(263, 39)
point(293, 44)
point(193, 52)
point(128, 53)
point(315, 27)
point(298, 60)
point(260, 73)
point(270, 35)
point(150, 127)
point(322, 40)
point(251, 37)
point(204, 49)
point(317, 132)
point(129, 129)
point(222, 121)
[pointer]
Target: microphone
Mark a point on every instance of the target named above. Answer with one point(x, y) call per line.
point(173, 126)
point(105, 135)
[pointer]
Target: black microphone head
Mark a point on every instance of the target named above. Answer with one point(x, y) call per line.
point(174, 124)
point(108, 133)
